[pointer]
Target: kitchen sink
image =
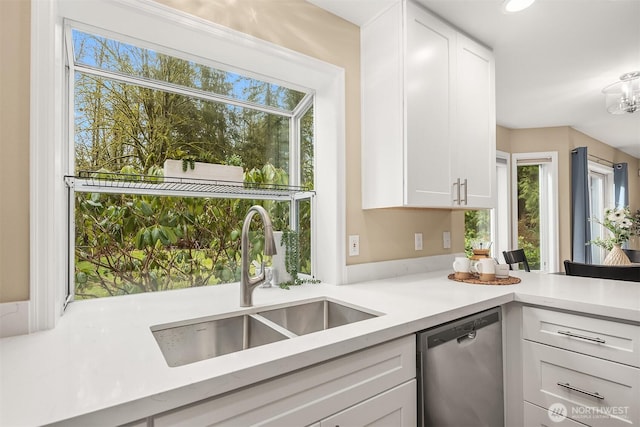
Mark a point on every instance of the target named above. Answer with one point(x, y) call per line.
point(315, 316)
point(190, 341)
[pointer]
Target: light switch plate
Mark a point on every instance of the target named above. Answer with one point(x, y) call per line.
point(446, 239)
point(354, 245)
point(418, 241)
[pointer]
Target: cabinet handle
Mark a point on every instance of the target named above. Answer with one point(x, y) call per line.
point(582, 337)
point(456, 186)
point(579, 390)
point(465, 192)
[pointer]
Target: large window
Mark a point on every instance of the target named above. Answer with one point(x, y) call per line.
point(134, 107)
point(158, 28)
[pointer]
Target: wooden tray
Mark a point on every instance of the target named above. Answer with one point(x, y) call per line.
point(476, 281)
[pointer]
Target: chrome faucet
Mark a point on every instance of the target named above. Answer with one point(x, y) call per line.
point(247, 283)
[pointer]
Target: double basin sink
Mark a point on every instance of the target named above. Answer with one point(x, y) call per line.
point(199, 339)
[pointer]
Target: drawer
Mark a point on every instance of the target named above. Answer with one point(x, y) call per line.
point(619, 342)
point(535, 416)
point(595, 392)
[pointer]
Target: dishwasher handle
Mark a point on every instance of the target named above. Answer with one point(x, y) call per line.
point(461, 331)
point(468, 336)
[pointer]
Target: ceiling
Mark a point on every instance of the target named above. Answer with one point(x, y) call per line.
point(552, 59)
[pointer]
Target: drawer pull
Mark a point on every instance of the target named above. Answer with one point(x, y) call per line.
point(582, 337)
point(579, 390)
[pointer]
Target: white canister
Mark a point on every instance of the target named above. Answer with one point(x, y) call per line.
point(502, 271)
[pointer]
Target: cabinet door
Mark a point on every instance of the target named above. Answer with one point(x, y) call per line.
point(382, 110)
point(429, 63)
point(474, 159)
point(395, 407)
point(593, 391)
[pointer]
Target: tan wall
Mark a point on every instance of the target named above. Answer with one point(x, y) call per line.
point(503, 139)
point(14, 146)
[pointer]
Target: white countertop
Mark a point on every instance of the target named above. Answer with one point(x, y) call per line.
point(102, 359)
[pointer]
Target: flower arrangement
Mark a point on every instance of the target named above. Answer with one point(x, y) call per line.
point(620, 223)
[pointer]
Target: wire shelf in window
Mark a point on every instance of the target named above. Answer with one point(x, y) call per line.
point(119, 183)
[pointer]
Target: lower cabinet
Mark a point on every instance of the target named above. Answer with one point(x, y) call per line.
point(396, 407)
point(579, 370)
point(374, 386)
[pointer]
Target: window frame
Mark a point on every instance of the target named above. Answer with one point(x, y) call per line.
point(501, 214)
point(141, 19)
point(549, 237)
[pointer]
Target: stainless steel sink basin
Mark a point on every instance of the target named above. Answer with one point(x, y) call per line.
point(190, 343)
point(315, 316)
point(199, 339)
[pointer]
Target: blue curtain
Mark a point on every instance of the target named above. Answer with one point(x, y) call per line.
point(580, 227)
point(621, 185)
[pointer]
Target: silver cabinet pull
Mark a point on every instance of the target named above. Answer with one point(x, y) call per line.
point(465, 192)
point(456, 185)
point(579, 390)
point(582, 337)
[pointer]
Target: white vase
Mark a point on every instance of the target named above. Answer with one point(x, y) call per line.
point(616, 257)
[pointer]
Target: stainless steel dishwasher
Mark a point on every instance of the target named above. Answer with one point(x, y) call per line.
point(460, 372)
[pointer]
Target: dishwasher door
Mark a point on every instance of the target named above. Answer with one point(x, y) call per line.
point(461, 372)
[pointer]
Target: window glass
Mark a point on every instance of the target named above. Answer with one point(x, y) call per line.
point(120, 125)
point(528, 211)
point(132, 61)
point(306, 149)
point(131, 243)
point(600, 197)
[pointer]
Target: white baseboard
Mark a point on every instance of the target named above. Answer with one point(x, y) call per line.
point(14, 318)
point(401, 267)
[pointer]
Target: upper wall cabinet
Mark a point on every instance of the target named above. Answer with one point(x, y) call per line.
point(428, 113)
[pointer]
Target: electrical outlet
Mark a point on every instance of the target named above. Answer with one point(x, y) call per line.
point(418, 241)
point(446, 239)
point(354, 245)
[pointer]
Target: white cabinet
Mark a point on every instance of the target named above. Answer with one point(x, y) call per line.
point(313, 394)
point(396, 407)
point(428, 113)
point(581, 367)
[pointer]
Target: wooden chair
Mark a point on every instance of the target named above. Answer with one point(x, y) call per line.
point(630, 273)
point(634, 256)
point(516, 256)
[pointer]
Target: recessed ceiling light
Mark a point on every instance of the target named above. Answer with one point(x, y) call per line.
point(512, 6)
